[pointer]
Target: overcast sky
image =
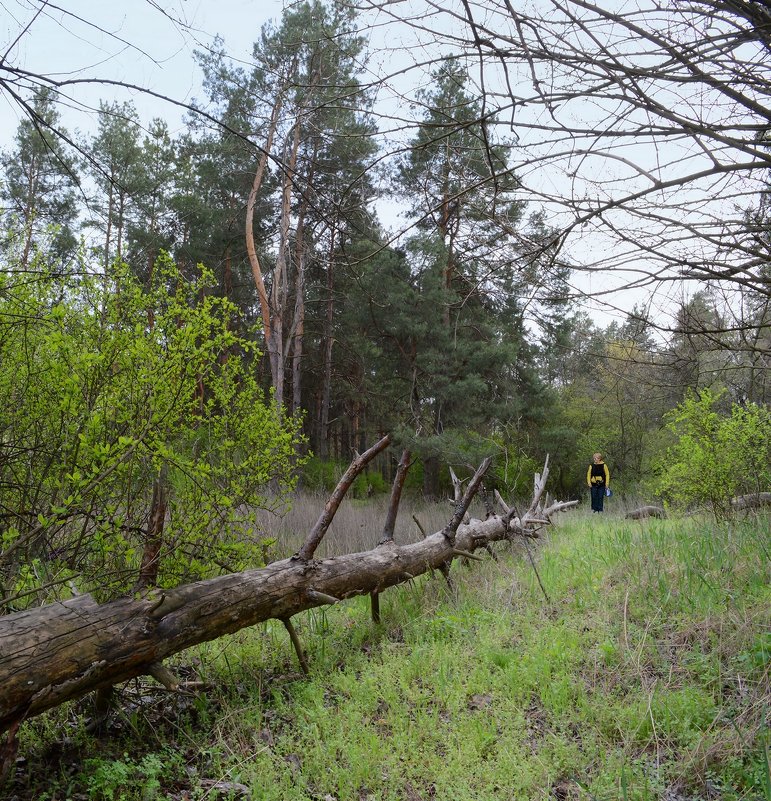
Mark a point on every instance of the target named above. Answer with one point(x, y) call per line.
point(151, 45)
point(124, 40)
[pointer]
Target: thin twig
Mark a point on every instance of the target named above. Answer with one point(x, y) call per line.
point(535, 570)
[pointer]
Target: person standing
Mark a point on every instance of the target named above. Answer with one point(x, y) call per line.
point(598, 479)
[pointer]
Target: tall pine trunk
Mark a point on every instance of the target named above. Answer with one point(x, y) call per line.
point(299, 319)
point(251, 249)
point(328, 341)
point(108, 232)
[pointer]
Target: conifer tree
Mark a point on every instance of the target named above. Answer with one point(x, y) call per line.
point(302, 103)
point(39, 192)
point(471, 360)
point(114, 164)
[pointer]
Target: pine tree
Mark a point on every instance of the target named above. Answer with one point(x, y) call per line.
point(472, 363)
point(152, 225)
point(303, 104)
point(39, 192)
point(114, 155)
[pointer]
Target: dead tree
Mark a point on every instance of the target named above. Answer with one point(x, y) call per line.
point(62, 651)
point(753, 501)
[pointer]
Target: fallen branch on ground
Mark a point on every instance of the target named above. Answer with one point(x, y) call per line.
point(753, 501)
point(646, 511)
point(60, 652)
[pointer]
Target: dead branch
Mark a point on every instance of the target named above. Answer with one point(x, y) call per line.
point(753, 501)
point(646, 511)
point(318, 531)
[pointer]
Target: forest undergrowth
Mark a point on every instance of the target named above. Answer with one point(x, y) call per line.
point(643, 675)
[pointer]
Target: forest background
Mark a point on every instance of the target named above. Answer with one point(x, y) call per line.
point(484, 230)
point(194, 320)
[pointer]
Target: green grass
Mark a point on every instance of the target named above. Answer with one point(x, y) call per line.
point(645, 677)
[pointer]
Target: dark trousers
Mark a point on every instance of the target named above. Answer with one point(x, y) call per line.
point(598, 496)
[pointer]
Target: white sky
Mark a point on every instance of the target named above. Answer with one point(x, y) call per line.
point(101, 38)
point(136, 42)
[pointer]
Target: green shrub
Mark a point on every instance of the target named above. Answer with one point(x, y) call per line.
point(716, 457)
point(368, 484)
point(102, 409)
point(322, 475)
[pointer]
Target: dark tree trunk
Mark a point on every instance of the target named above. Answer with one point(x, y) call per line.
point(431, 478)
point(151, 556)
point(327, 344)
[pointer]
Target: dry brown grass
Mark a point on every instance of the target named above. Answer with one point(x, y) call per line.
point(357, 526)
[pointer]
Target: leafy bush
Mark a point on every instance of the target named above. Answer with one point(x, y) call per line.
point(109, 390)
point(322, 475)
point(716, 457)
point(369, 483)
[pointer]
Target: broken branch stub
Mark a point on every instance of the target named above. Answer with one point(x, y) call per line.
point(462, 506)
point(396, 495)
point(305, 554)
point(389, 526)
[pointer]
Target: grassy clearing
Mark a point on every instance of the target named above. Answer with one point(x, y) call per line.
point(645, 677)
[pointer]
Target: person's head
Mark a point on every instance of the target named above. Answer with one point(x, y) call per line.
point(597, 458)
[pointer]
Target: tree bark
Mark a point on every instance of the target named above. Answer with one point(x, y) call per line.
point(60, 652)
point(396, 495)
point(298, 331)
point(431, 478)
point(328, 341)
point(646, 511)
point(151, 556)
point(251, 250)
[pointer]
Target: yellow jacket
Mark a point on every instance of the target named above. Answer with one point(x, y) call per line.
point(598, 475)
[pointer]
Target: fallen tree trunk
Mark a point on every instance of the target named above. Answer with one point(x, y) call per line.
point(60, 652)
point(646, 511)
point(754, 501)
